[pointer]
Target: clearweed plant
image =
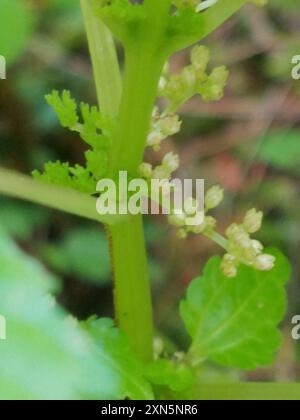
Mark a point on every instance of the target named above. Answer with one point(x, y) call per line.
point(233, 309)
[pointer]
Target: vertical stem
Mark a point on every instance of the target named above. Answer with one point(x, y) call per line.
point(142, 73)
point(143, 65)
point(132, 295)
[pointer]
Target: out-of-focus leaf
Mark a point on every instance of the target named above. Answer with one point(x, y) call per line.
point(83, 253)
point(39, 358)
point(287, 5)
point(47, 355)
point(113, 351)
point(234, 322)
point(281, 149)
point(20, 219)
point(15, 28)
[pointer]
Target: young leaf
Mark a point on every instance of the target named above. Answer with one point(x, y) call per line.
point(114, 352)
point(65, 108)
point(234, 322)
point(95, 130)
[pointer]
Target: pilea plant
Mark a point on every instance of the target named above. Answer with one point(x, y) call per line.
point(232, 311)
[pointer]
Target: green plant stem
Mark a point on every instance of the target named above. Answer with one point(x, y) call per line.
point(143, 66)
point(16, 185)
point(218, 239)
point(140, 89)
point(132, 295)
point(144, 60)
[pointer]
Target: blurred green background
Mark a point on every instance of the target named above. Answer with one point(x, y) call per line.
point(249, 143)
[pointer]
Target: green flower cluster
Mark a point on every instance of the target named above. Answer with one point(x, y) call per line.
point(243, 249)
point(162, 126)
point(206, 224)
point(95, 130)
point(193, 80)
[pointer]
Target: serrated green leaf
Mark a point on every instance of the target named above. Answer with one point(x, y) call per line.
point(113, 350)
point(65, 108)
point(95, 130)
point(64, 175)
point(234, 322)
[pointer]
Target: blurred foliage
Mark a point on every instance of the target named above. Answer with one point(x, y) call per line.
point(21, 219)
point(14, 15)
point(83, 253)
point(281, 149)
point(46, 352)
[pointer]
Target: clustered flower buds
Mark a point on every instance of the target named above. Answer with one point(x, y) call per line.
point(169, 165)
point(201, 222)
point(163, 126)
point(243, 249)
point(194, 79)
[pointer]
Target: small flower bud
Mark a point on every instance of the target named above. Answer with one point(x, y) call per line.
point(238, 236)
point(210, 223)
point(188, 77)
point(181, 234)
point(145, 170)
point(213, 88)
point(160, 172)
point(264, 262)
point(197, 228)
point(154, 140)
point(214, 197)
point(253, 221)
point(232, 230)
point(171, 162)
point(169, 125)
point(200, 57)
point(229, 266)
point(191, 206)
point(177, 219)
point(257, 246)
